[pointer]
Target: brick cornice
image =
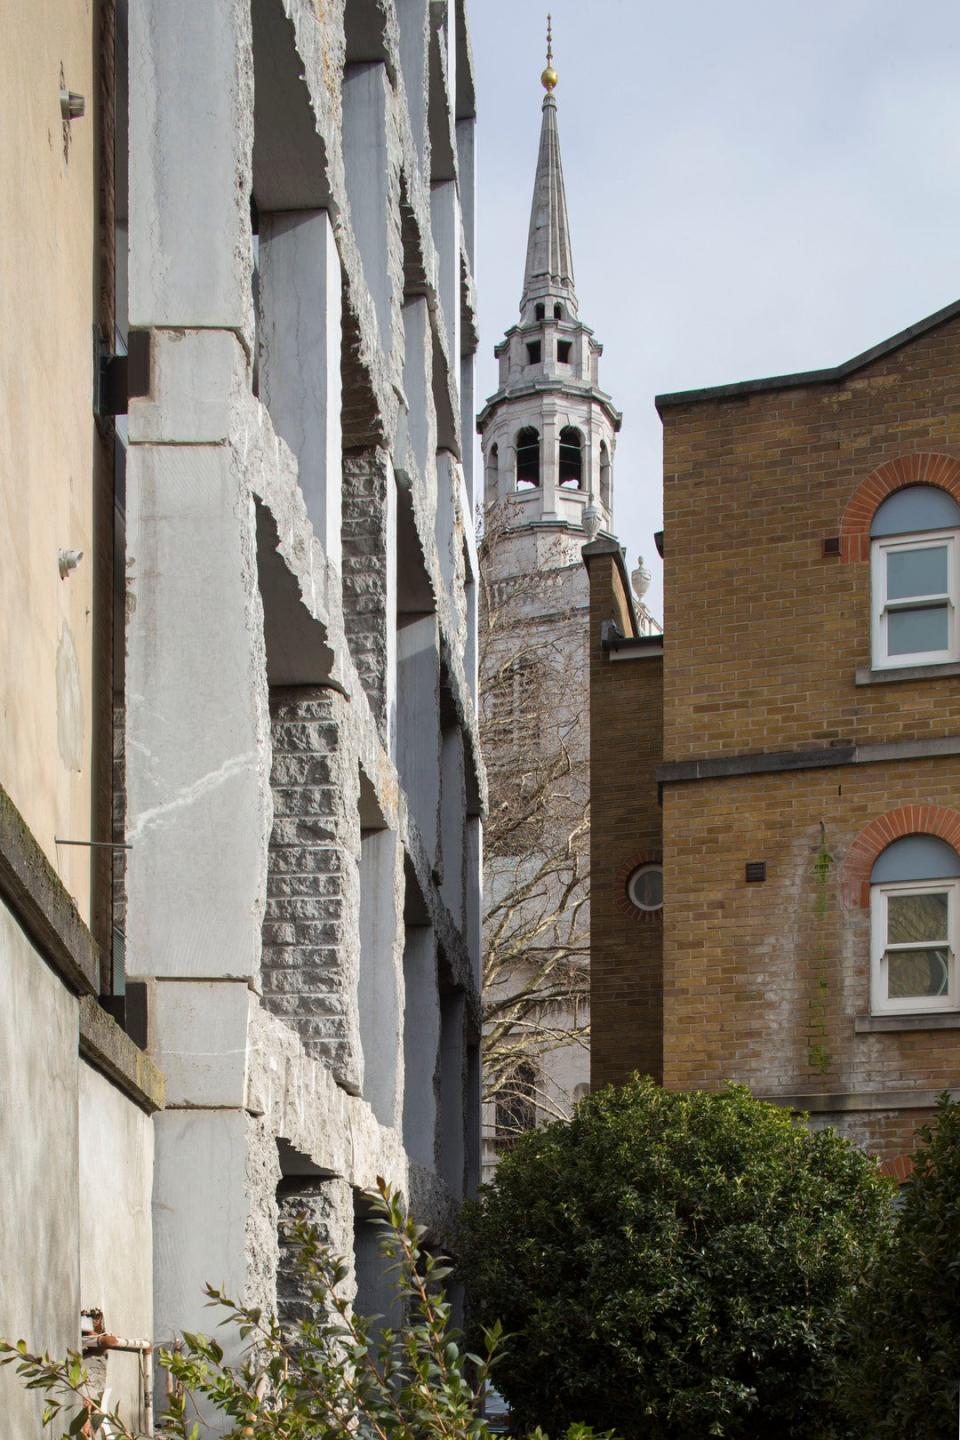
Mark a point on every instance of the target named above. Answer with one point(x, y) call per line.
point(923, 468)
point(881, 832)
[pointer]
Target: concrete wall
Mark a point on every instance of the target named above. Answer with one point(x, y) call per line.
point(421, 1044)
point(39, 1216)
point(75, 1218)
point(115, 1224)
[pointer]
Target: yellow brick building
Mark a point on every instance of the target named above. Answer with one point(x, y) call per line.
point(791, 757)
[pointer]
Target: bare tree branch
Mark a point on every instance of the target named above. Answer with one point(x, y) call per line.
point(534, 729)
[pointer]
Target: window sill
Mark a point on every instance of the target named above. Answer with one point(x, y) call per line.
point(941, 671)
point(871, 1024)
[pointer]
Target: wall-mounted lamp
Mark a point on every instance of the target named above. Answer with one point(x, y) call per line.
point(68, 560)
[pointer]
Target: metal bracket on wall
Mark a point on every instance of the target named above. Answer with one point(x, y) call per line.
point(117, 379)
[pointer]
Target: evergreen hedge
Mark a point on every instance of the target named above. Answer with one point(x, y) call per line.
point(676, 1266)
point(904, 1374)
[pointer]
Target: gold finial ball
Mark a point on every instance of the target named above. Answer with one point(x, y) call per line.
point(549, 79)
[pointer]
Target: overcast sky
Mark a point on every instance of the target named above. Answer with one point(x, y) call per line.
point(755, 187)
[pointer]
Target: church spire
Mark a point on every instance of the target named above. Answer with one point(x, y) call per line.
point(549, 269)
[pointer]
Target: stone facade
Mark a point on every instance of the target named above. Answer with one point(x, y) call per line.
point(287, 513)
point(548, 439)
point(284, 801)
point(782, 744)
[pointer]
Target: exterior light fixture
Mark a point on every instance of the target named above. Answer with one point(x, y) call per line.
point(72, 105)
point(68, 560)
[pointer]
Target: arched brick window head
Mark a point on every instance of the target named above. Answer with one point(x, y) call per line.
point(882, 832)
point(926, 468)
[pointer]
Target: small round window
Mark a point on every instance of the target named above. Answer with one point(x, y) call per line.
point(645, 888)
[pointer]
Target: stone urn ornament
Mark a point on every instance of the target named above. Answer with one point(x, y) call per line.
point(591, 522)
point(640, 579)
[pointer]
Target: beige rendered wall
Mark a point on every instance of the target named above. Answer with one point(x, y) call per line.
point(48, 280)
point(115, 1234)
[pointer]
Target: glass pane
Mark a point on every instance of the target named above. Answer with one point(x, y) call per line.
point(916, 974)
point(646, 889)
point(913, 632)
point(912, 919)
point(917, 572)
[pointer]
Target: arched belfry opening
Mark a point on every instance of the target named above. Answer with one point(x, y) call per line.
point(571, 458)
point(528, 458)
point(493, 467)
point(606, 477)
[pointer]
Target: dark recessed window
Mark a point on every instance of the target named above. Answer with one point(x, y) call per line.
point(645, 888)
point(516, 1106)
point(533, 352)
point(528, 458)
point(539, 312)
point(563, 351)
point(558, 312)
point(571, 458)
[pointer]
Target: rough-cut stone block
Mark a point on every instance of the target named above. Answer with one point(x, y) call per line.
point(191, 121)
point(198, 798)
point(196, 379)
point(201, 1032)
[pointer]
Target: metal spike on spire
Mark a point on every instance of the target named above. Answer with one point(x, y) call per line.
point(549, 77)
point(549, 267)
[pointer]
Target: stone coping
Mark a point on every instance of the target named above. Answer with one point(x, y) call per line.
point(845, 1101)
point(109, 1049)
point(37, 898)
point(822, 757)
point(741, 389)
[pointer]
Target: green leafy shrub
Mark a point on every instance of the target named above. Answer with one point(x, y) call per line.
point(675, 1266)
point(905, 1369)
point(318, 1379)
point(322, 1379)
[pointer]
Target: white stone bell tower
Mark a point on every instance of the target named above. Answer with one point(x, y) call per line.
point(549, 432)
point(548, 436)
